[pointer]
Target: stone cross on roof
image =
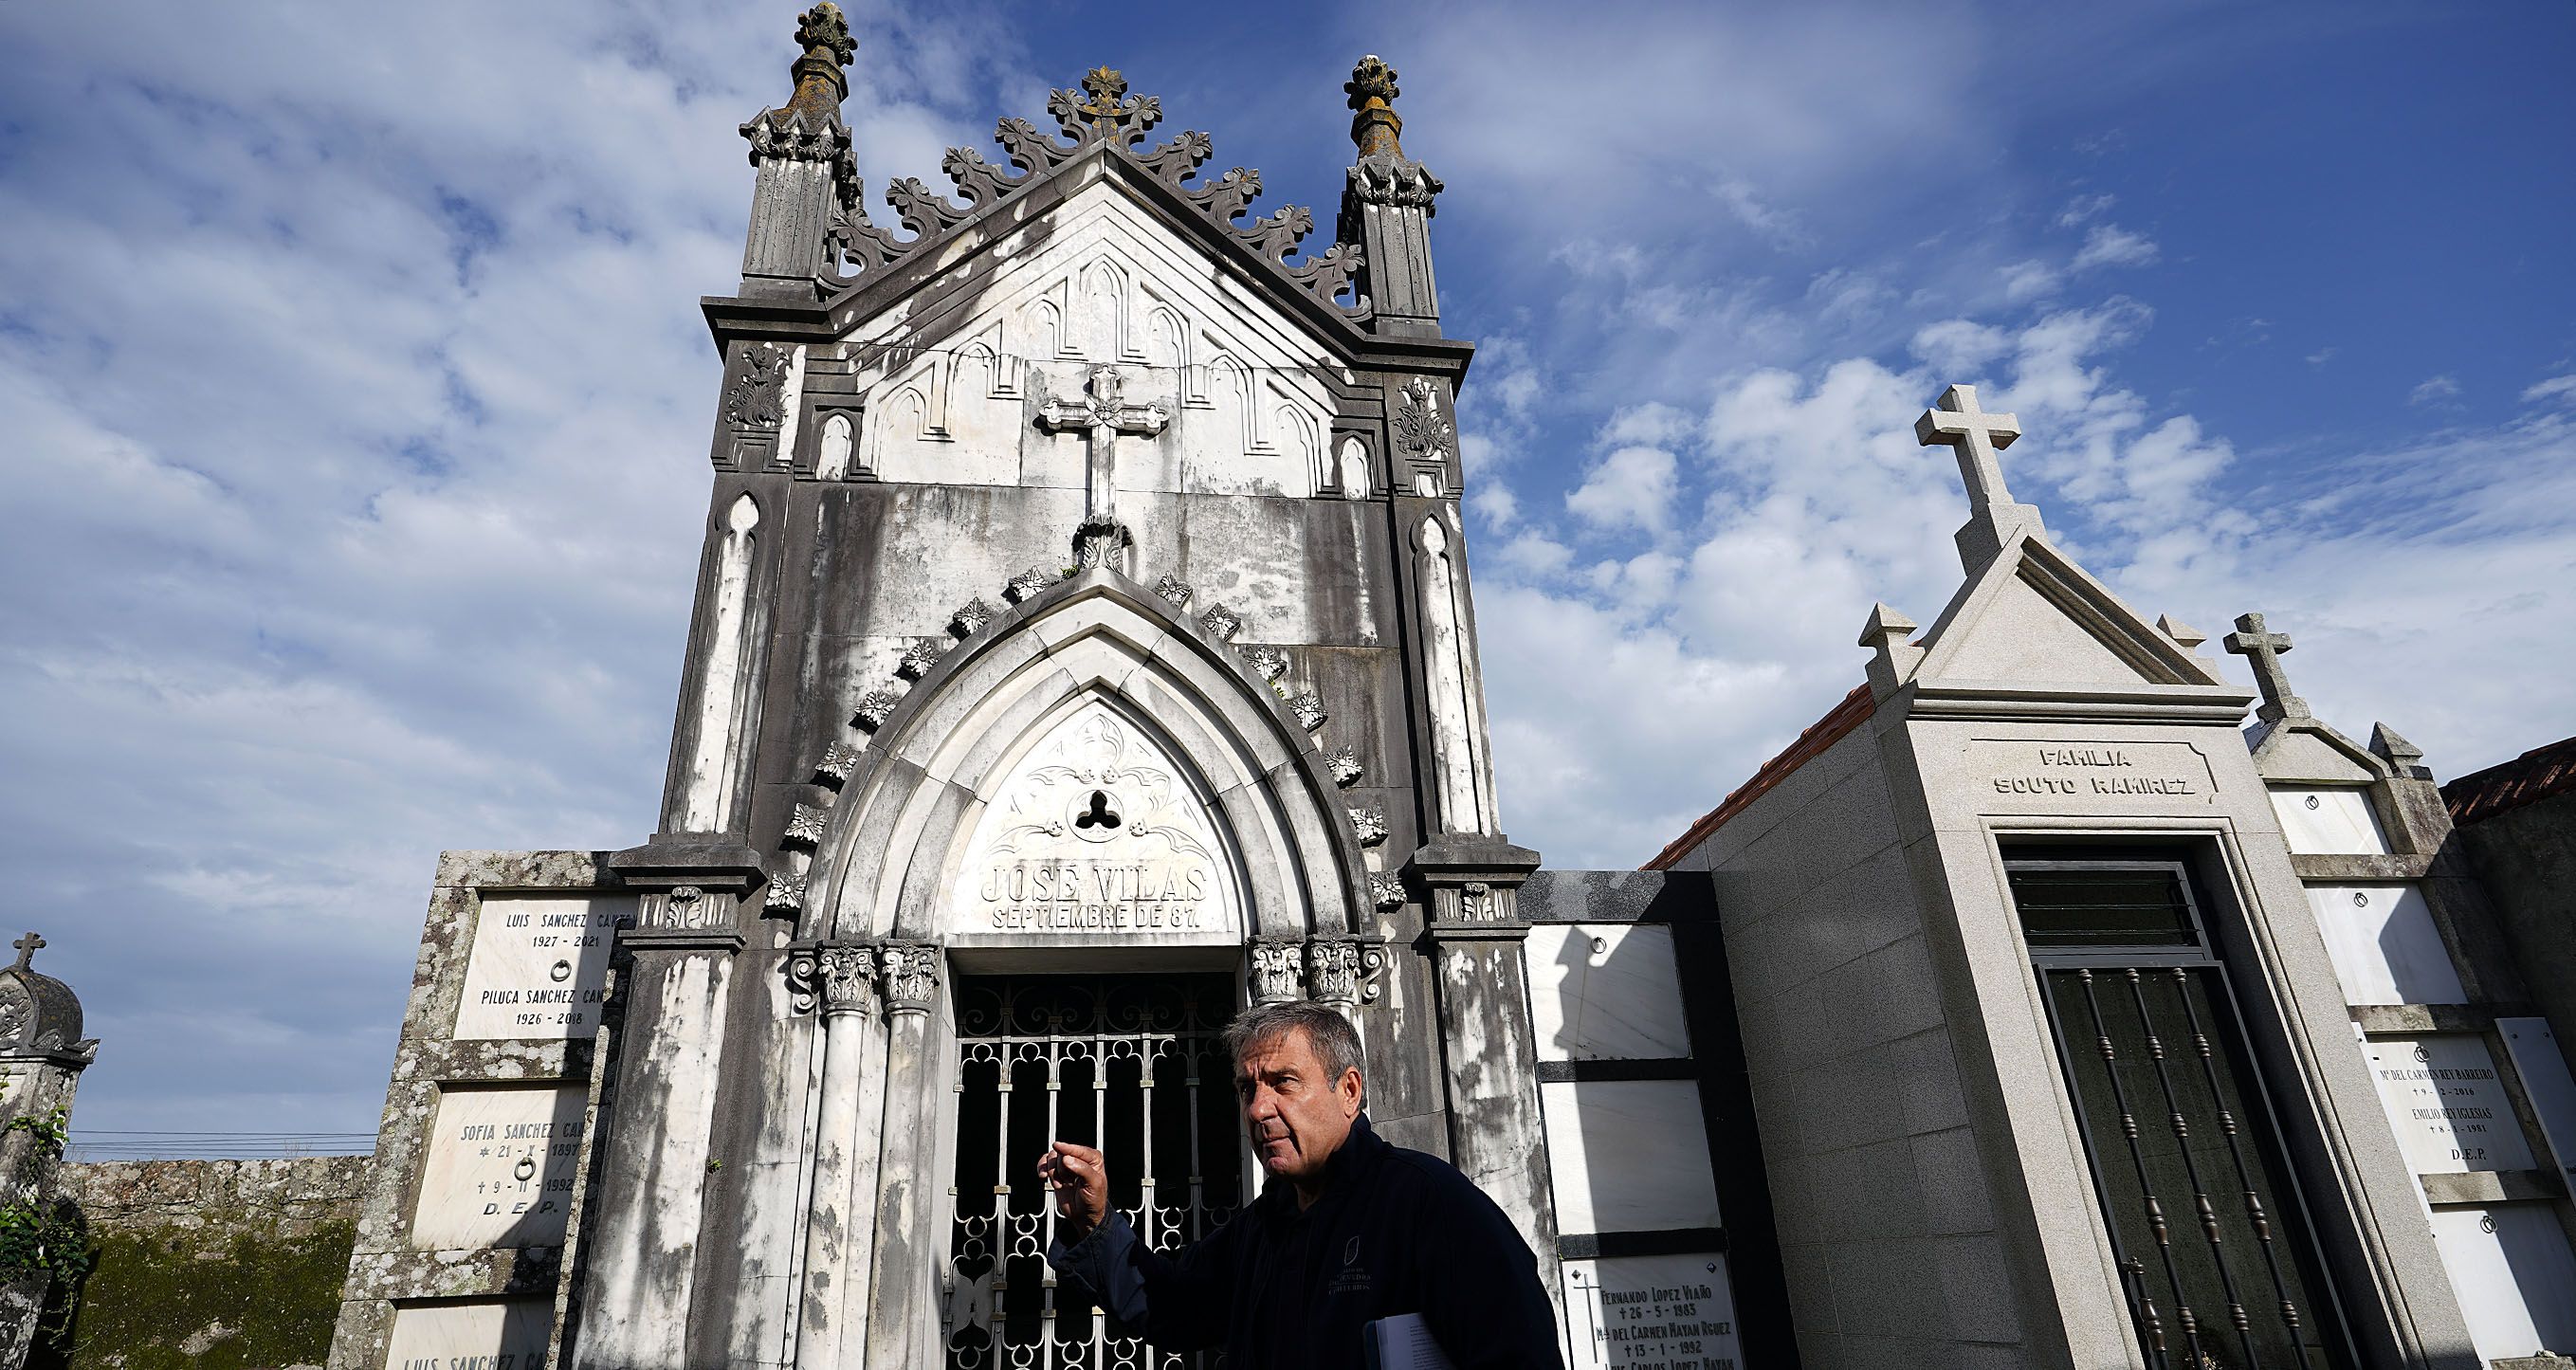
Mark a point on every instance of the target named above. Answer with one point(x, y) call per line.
point(1976, 436)
point(1957, 423)
point(1101, 418)
point(2264, 650)
point(27, 947)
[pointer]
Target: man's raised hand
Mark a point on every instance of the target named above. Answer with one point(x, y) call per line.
point(1081, 1184)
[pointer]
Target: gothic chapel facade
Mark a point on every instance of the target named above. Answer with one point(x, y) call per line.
point(1084, 650)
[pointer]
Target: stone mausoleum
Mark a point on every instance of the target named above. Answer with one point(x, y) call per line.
point(1084, 649)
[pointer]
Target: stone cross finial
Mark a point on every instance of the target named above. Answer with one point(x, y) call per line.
point(1108, 110)
point(1957, 423)
point(1976, 436)
point(1374, 122)
point(2263, 649)
point(27, 947)
point(1101, 418)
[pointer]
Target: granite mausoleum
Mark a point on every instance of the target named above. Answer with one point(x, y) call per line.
point(1084, 649)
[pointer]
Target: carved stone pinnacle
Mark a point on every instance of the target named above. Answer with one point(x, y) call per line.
point(820, 86)
point(1374, 122)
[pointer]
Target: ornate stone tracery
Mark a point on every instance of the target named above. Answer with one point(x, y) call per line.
point(1099, 111)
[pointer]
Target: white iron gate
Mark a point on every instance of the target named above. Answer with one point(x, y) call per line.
point(1128, 1063)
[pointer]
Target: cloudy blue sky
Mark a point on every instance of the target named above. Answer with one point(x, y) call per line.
point(354, 400)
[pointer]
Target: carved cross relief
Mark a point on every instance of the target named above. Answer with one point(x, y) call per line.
point(1101, 416)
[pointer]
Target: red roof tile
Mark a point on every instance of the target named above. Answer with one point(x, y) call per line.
point(2527, 779)
point(1854, 710)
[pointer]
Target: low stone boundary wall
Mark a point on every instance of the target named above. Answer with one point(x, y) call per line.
point(209, 1263)
point(287, 1197)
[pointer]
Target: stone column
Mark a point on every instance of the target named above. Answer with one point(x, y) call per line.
point(674, 971)
point(1489, 1058)
point(903, 1292)
point(831, 1324)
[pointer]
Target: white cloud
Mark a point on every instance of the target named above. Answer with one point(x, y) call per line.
point(2434, 390)
point(1960, 345)
point(2084, 207)
point(2112, 245)
point(2557, 390)
point(2320, 357)
point(1630, 487)
point(2029, 280)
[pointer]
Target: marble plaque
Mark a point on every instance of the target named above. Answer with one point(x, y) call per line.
point(2448, 1105)
point(2514, 1275)
point(1650, 1313)
point(2384, 945)
point(2328, 820)
point(500, 1168)
point(539, 965)
point(1628, 1156)
point(1604, 992)
point(1097, 835)
point(471, 1336)
point(2015, 774)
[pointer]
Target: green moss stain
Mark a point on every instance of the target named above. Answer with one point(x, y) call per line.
point(232, 1295)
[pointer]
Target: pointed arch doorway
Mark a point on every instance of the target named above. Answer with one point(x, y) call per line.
point(1095, 785)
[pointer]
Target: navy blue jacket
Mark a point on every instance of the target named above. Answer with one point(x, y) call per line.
point(1394, 1231)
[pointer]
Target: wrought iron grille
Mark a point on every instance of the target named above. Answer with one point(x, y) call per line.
point(2216, 1256)
point(1128, 1063)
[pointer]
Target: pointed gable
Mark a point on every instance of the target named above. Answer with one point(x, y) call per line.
point(2032, 617)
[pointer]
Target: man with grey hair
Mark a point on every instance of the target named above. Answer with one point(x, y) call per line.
point(1348, 1230)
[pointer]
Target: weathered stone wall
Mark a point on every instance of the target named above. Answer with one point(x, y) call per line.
point(210, 1265)
point(296, 1197)
point(2526, 860)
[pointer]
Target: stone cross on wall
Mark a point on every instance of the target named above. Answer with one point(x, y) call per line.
point(1101, 418)
point(1976, 436)
point(2263, 649)
point(27, 947)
